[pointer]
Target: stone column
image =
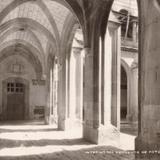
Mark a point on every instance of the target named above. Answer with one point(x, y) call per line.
point(93, 130)
point(79, 83)
point(130, 94)
point(112, 84)
point(70, 121)
point(134, 93)
point(47, 107)
point(102, 90)
point(71, 91)
point(149, 78)
point(72, 86)
point(49, 93)
point(89, 133)
point(51, 90)
point(55, 91)
point(116, 65)
point(63, 94)
point(50, 96)
point(97, 129)
point(112, 75)
point(75, 88)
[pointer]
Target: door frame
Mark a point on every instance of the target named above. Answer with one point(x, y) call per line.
point(26, 96)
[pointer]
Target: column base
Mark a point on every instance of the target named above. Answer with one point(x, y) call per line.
point(69, 124)
point(46, 120)
point(61, 124)
point(131, 118)
point(107, 135)
point(146, 150)
point(52, 120)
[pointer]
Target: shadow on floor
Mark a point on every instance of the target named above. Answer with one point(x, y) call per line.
point(22, 122)
point(94, 153)
point(29, 141)
point(4, 143)
point(5, 130)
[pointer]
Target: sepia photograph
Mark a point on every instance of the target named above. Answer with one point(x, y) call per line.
point(79, 80)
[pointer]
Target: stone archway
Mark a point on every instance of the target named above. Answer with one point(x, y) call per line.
point(15, 96)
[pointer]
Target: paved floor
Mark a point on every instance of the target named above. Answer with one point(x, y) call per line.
point(25, 141)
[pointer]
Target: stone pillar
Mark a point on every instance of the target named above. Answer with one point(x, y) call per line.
point(71, 120)
point(72, 86)
point(53, 92)
point(49, 93)
point(112, 83)
point(50, 98)
point(79, 83)
point(130, 93)
point(134, 93)
point(63, 95)
point(116, 65)
point(75, 89)
point(89, 133)
point(102, 71)
point(47, 107)
point(149, 79)
point(70, 114)
point(94, 131)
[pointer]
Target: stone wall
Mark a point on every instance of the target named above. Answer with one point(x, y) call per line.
point(26, 72)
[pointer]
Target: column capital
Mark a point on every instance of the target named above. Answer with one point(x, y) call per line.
point(77, 50)
point(87, 52)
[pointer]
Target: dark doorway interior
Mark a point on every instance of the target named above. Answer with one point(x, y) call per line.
point(123, 94)
point(15, 101)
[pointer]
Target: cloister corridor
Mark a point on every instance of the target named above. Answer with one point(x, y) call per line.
point(79, 80)
point(35, 141)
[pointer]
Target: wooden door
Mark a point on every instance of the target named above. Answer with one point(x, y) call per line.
point(15, 101)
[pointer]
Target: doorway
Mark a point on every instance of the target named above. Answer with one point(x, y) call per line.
point(15, 101)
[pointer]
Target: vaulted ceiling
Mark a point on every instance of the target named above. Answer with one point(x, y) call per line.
point(35, 24)
point(39, 24)
point(35, 21)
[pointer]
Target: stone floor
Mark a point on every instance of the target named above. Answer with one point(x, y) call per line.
point(35, 141)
